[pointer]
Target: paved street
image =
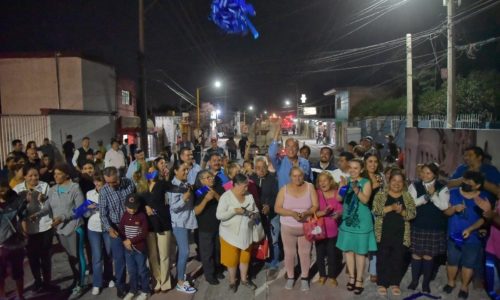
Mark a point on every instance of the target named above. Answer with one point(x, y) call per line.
point(267, 288)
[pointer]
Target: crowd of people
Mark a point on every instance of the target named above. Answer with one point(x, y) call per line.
point(117, 213)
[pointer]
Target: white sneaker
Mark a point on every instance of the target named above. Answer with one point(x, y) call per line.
point(185, 288)
point(129, 296)
point(111, 284)
point(95, 291)
point(142, 296)
point(304, 285)
point(289, 284)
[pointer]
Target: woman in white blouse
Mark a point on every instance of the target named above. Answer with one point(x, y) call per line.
point(428, 234)
point(40, 233)
point(237, 212)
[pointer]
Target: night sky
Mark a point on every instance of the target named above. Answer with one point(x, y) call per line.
point(184, 45)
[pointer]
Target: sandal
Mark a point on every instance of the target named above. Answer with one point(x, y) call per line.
point(333, 282)
point(381, 290)
point(350, 286)
point(322, 280)
point(358, 289)
point(396, 291)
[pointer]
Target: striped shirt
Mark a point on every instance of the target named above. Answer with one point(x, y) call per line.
point(112, 202)
point(135, 228)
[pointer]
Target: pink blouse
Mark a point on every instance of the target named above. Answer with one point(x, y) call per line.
point(297, 204)
point(493, 244)
point(335, 208)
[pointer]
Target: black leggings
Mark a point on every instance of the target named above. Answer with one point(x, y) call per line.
point(39, 255)
point(326, 250)
point(390, 262)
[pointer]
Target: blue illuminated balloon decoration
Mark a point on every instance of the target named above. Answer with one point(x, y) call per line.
point(232, 16)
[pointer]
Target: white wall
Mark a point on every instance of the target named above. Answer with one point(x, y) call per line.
point(95, 127)
point(99, 86)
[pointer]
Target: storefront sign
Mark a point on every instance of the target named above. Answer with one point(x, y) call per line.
point(309, 111)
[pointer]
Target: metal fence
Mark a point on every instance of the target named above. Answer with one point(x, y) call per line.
point(463, 121)
point(23, 127)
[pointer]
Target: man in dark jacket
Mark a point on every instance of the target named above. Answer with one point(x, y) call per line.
point(268, 189)
point(325, 162)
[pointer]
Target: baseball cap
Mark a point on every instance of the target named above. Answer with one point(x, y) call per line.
point(132, 202)
point(368, 137)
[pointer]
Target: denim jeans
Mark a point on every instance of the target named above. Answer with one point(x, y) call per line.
point(274, 235)
point(210, 254)
point(182, 238)
point(118, 253)
point(372, 267)
point(137, 271)
point(101, 261)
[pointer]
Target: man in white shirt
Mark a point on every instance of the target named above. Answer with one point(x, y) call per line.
point(343, 167)
point(115, 157)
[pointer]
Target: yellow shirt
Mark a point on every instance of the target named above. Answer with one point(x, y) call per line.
point(13, 182)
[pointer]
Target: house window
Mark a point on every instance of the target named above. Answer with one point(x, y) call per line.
point(125, 97)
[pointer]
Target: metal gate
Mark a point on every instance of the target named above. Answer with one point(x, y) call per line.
point(24, 127)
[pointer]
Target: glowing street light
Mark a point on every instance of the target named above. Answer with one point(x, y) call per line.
point(217, 85)
point(287, 102)
point(250, 107)
point(265, 112)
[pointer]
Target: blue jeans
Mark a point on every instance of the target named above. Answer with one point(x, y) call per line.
point(137, 271)
point(274, 235)
point(96, 240)
point(118, 253)
point(372, 267)
point(182, 238)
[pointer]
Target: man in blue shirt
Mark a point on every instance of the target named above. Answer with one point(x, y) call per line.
point(140, 161)
point(187, 157)
point(111, 208)
point(473, 161)
point(285, 164)
point(464, 244)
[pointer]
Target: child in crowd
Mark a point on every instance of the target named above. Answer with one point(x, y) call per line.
point(134, 230)
point(248, 167)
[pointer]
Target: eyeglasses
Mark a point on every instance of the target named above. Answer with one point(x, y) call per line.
point(208, 177)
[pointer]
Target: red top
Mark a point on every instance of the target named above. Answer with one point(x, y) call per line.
point(135, 228)
point(336, 208)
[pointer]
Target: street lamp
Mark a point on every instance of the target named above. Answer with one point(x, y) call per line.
point(287, 102)
point(303, 98)
point(250, 108)
point(217, 84)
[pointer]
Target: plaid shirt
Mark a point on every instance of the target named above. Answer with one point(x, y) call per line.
point(112, 203)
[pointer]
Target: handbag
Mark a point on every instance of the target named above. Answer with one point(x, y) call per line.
point(314, 229)
point(261, 252)
point(258, 233)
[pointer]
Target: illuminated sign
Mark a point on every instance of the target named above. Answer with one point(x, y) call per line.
point(310, 111)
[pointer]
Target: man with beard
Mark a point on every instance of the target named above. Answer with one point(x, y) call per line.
point(325, 162)
point(187, 157)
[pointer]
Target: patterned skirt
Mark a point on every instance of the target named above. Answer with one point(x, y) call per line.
point(428, 242)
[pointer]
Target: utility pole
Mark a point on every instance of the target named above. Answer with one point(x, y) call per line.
point(451, 105)
point(409, 83)
point(141, 88)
